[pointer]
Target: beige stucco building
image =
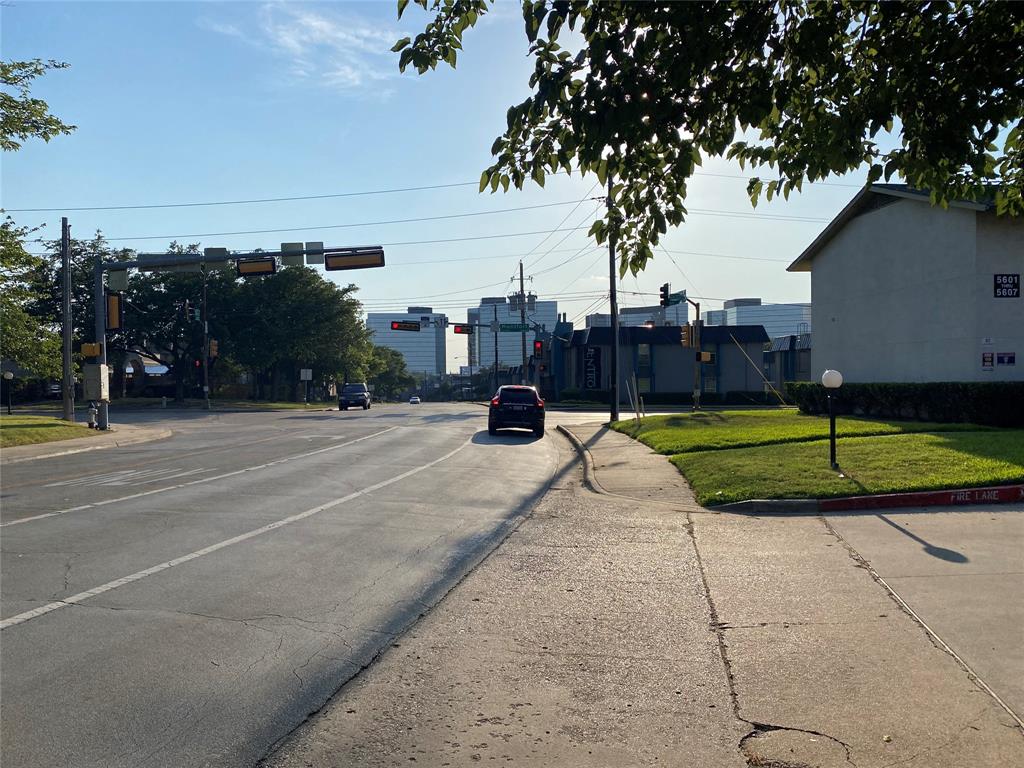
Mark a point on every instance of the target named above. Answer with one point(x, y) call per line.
point(903, 291)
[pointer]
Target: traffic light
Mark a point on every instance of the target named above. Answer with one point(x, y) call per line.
point(664, 294)
point(353, 258)
point(115, 312)
point(538, 348)
point(463, 329)
point(256, 267)
point(405, 325)
point(686, 336)
point(196, 314)
point(214, 348)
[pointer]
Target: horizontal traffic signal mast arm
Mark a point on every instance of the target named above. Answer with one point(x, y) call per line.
point(364, 254)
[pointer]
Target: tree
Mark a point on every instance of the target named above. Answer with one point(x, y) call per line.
point(27, 343)
point(657, 86)
point(21, 116)
point(388, 372)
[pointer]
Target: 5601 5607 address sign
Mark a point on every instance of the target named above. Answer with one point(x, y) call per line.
point(1007, 286)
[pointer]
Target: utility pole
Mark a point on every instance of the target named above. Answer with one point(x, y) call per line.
point(613, 278)
point(68, 383)
point(495, 308)
point(100, 304)
point(696, 358)
point(206, 346)
point(522, 320)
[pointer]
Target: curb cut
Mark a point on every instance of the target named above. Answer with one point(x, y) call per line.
point(952, 497)
point(115, 442)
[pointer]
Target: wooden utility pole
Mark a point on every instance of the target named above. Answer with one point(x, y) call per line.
point(522, 320)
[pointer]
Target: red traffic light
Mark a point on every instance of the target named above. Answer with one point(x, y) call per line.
point(538, 348)
point(405, 325)
point(463, 328)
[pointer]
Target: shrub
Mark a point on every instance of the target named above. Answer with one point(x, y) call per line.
point(995, 403)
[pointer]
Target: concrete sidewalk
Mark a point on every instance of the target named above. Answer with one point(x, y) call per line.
point(613, 631)
point(115, 437)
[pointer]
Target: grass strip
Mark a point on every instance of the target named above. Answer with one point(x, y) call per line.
point(28, 430)
point(869, 465)
point(718, 430)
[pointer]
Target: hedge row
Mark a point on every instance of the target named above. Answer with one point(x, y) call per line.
point(676, 398)
point(998, 404)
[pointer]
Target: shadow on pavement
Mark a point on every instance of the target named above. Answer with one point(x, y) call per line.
point(505, 437)
point(949, 555)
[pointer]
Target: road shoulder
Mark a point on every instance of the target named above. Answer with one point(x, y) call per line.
point(116, 437)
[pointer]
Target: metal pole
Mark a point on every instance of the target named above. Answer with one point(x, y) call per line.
point(832, 435)
point(99, 304)
point(612, 278)
point(495, 308)
point(697, 362)
point(206, 347)
point(68, 383)
point(522, 320)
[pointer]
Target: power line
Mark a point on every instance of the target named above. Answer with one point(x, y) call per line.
point(366, 193)
point(352, 225)
point(570, 213)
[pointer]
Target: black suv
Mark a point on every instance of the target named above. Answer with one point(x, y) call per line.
point(354, 396)
point(516, 406)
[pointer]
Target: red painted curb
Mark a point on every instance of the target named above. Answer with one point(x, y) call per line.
point(994, 495)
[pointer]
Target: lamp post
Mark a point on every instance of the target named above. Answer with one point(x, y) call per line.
point(832, 380)
point(9, 377)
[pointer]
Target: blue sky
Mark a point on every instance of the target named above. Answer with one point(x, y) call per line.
point(197, 102)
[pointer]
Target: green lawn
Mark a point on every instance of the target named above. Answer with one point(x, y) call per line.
point(893, 463)
point(714, 430)
point(26, 430)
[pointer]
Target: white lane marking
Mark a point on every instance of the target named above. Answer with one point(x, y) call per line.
point(138, 575)
point(195, 482)
point(132, 477)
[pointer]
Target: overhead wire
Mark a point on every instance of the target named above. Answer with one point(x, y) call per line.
point(365, 193)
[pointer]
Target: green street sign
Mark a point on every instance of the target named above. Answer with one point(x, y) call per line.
point(676, 298)
point(514, 327)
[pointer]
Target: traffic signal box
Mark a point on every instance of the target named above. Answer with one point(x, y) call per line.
point(686, 336)
point(405, 325)
point(538, 349)
point(665, 295)
point(115, 312)
point(256, 267)
point(463, 329)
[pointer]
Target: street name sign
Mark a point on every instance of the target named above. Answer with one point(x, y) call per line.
point(514, 327)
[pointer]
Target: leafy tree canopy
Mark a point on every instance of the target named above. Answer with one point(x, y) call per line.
point(21, 116)
point(642, 91)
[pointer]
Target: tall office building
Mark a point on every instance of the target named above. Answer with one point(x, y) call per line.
point(510, 350)
point(777, 319)
point(423, 350)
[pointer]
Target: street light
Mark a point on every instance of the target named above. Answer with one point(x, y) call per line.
point(8, 376)
point(832, 380)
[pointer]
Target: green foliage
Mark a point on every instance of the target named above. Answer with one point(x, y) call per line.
point(29, 430)
point(656, 86)
point(888, 464)
point(999, 404)
point(718, 430)
point(388, 373)
point(21, 116)
point(30, 345)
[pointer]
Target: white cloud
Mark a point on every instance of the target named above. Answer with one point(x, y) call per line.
point(321, 46)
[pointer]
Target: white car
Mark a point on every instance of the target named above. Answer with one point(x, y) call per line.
point(414, 400)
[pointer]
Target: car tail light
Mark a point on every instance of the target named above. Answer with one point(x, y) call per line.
point(495, 402)
point(540, 403)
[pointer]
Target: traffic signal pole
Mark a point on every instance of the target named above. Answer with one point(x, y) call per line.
point(206, 346)
point(100, 305)
point(522, 320)
point(67, 373)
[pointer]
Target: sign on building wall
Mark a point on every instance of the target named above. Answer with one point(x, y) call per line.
point(592, 367)
point(1007, 286)
point(1006, 358)
point(987, 361)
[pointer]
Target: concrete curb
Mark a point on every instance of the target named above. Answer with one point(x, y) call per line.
point(104, 442)
point(953, 497)
point(589, 475)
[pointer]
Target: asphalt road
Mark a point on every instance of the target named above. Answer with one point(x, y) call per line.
point(191, 601)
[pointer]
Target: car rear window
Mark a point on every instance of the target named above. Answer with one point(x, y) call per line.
point(354, 389)
point(518, 396)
